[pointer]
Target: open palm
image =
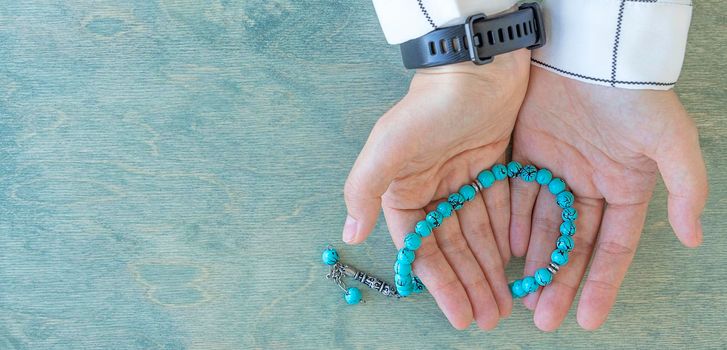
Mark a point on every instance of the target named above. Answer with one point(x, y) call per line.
point(453, 122)
point(609, 145)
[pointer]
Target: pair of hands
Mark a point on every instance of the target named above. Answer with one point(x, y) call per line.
point(608, 144)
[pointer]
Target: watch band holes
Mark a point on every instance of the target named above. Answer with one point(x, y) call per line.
point(518, 30)
point(490, 37)
point(525, 29)
point(477, 40)
point(509, 33)
point(501, 35)
point(432, 48)
point(443, 46)
point(455, 45)
point(464, 43)
point(530, 25)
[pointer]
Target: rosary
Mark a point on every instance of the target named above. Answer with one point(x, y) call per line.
point(405, 283)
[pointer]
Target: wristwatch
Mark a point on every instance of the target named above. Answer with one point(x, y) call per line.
point(478, 40)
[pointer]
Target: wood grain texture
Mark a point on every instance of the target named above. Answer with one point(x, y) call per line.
point(170, 171)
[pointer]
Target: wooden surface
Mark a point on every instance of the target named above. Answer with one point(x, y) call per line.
point(170, 171)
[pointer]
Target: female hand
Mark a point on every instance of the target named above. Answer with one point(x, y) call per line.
point(607, 144)
point(454, 121)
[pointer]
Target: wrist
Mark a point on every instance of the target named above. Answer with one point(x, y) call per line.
point(505, 66)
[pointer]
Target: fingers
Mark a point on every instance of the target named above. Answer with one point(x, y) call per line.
point(476, 228)
point(522, 199)
point(459, 255)
point(617, 242)
point(497, 202)
point(681, 165)
point(432, 268)
point(543, 234)
point(375, 168)
point(556, 298)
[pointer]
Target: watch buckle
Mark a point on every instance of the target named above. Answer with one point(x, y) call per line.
point(474, 40)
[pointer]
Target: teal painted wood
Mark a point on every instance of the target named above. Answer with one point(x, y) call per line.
point(170, 171)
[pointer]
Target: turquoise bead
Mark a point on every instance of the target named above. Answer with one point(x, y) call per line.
point(559, 257)
point(516, 288)
point(329, 256)
point(417, 285)
point(352, 296)
point(569, 214)
point(468, 192)
point(527, 173)
point(445, 209)
point(564, 199)
point(565, 243)
point(403, 284)
point(529, 285)
point(423, 228)
point(435, 218)
point(404, 281)
point(405, 256)
point(543, 277)
point(456, 200)
point(401, 268)
point(543, 176)
point(486, 178)
point(568, 228)
point(556, 186)
point(413, 241)
point(500, 172)
point(513, 168)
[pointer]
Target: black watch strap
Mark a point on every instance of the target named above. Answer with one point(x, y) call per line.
point(478, 40)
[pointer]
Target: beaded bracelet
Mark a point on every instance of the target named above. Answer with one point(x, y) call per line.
point(403, 279)
point(406, 283)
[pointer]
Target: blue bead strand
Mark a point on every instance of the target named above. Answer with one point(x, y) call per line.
point(565, 243)
point(406, 283)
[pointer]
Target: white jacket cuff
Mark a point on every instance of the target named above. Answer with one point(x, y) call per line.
point(403, 20)
point(633, 44)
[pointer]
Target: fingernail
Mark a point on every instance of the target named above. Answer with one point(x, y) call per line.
point(349, 229)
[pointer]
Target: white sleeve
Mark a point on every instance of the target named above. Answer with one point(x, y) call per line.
point(403, 20)
point(633, 44)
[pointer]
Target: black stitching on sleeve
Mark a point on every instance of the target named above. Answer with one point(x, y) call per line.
point(613, 82)
point(426, 14)
point(614, 55)
point(661, 2)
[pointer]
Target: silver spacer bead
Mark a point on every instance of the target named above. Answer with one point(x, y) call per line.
point(477, 185)
point(553, 268)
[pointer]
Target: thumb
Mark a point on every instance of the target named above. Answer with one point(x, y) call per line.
point(682, 167)
point(374, 169)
